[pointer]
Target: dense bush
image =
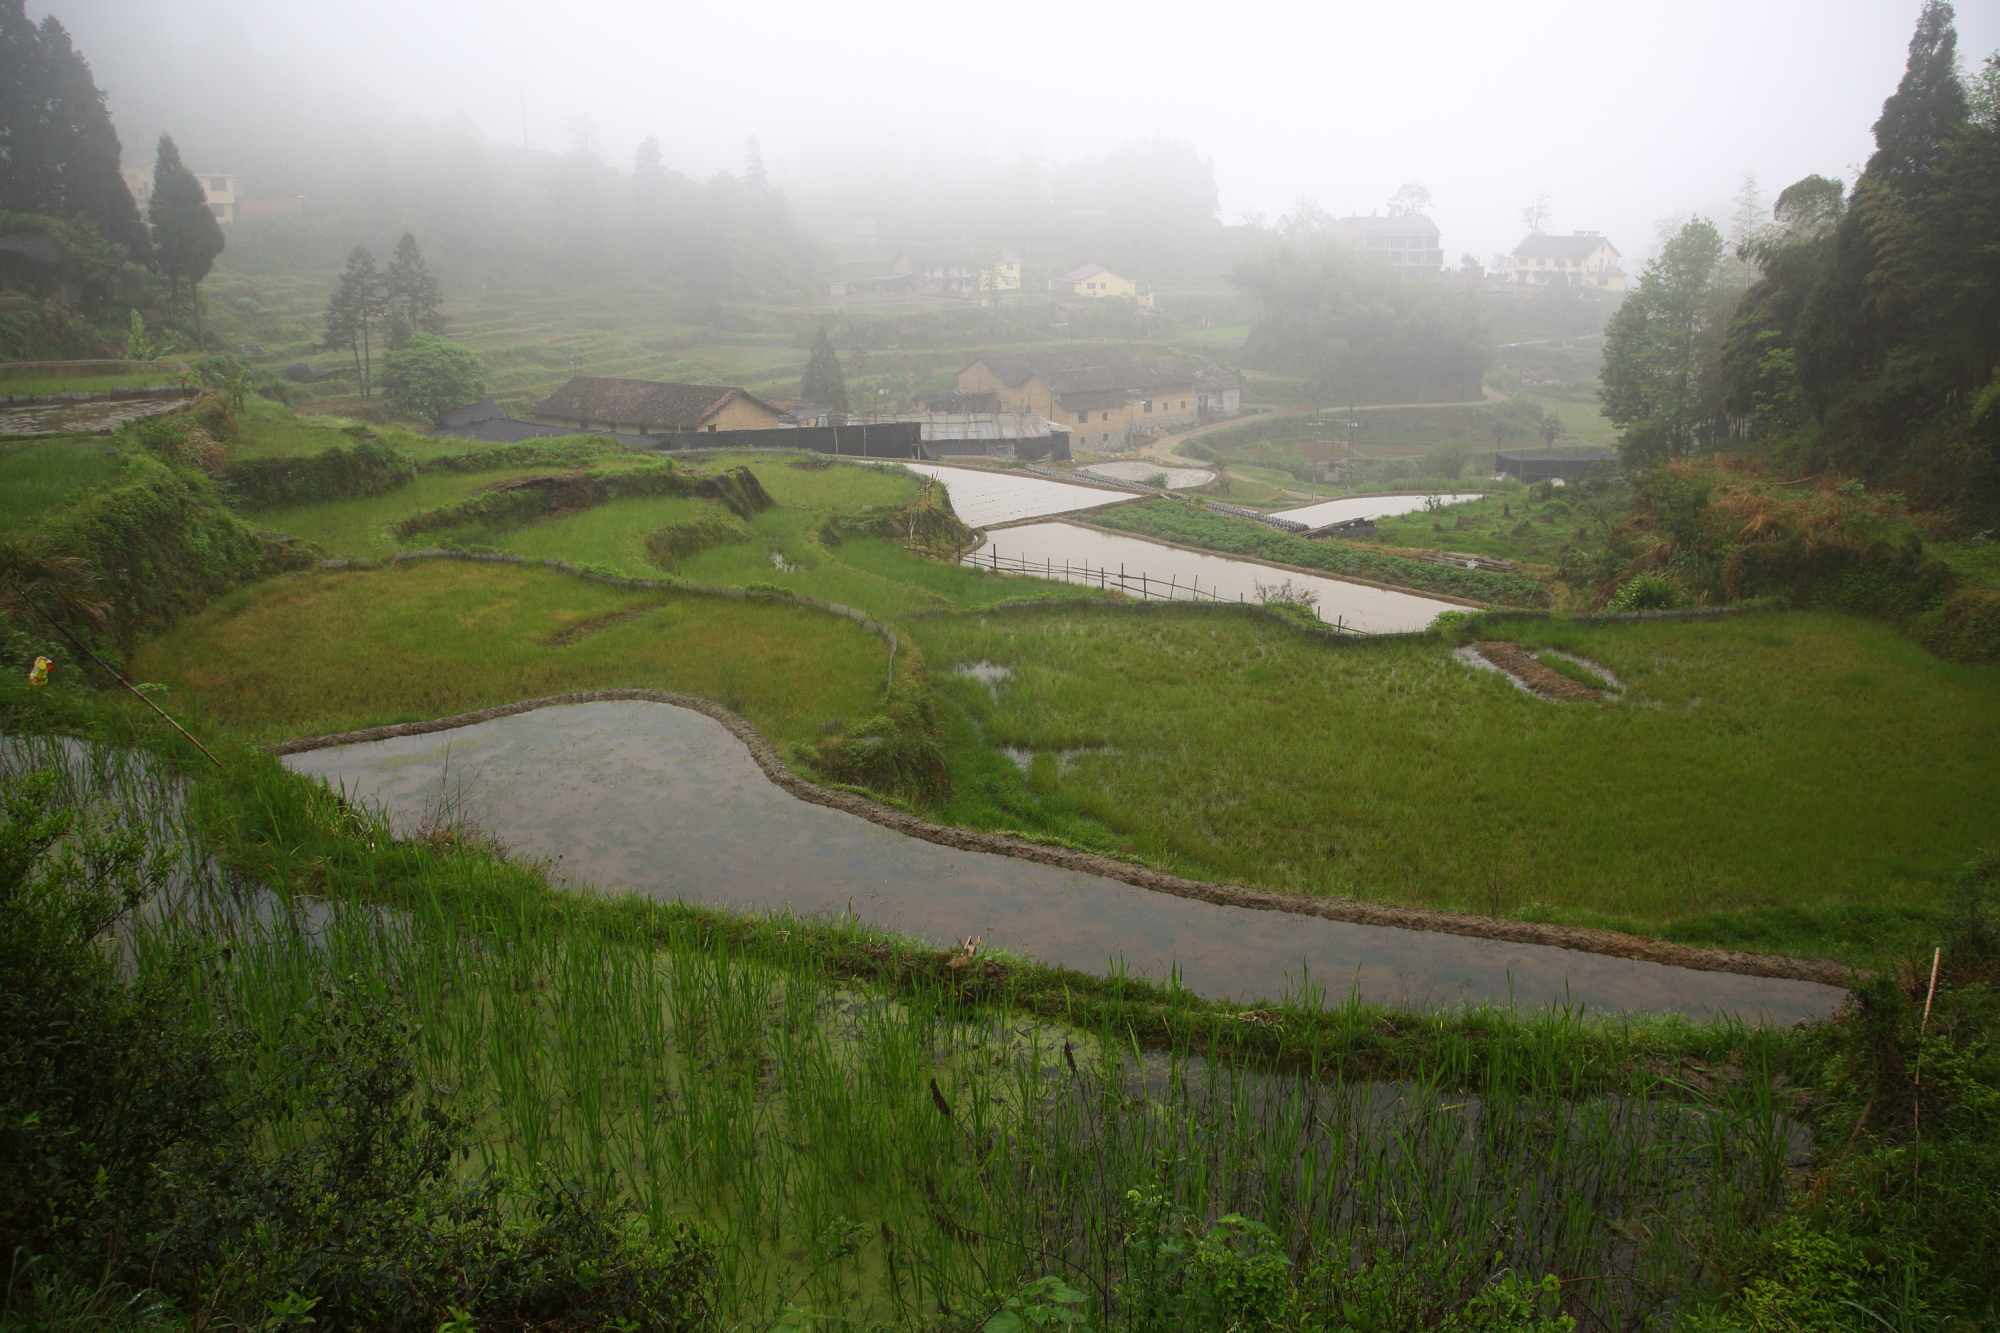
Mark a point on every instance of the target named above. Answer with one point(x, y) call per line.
point(898, 752)
point(160, 547)
point(429, 375)
point(367, 467)
point(512, 504)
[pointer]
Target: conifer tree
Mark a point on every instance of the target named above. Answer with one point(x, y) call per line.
point(186, 236)
point(355, 311)
point(823, 383)
point(58, 150)
point(410, 294)
point(1927, 108)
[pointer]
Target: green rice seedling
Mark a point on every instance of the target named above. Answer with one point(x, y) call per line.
point(1719, 801)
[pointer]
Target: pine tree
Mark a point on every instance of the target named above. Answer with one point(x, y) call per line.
point(410, 294)
point(823, 383)
point(186, 236)
point(1928, 106)
point(58, 151)
point(355, 310)
point(93, 189)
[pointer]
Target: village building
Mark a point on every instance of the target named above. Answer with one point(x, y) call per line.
point(1409, 243)
point(1094, 281)
point(1106, 397)
point(653, 407)
point(1533, 465)
point(1582, 259)
point(219, 187)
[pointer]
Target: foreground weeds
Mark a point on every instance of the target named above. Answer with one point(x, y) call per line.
point(802, 1124)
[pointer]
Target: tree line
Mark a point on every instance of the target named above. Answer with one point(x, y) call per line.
point(1856, 330)
point(59, 177)
point(1353, 327)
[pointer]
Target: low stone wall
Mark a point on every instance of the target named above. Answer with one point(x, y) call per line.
point(99, 396)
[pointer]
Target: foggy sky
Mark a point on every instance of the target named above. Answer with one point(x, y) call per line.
point(1624, 113)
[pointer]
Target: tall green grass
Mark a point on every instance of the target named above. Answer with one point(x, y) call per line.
point(337, 651)
point(39, 476)
point(1791, 781)
point(914, 1145)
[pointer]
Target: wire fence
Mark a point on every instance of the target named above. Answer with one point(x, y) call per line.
point(1135, 582)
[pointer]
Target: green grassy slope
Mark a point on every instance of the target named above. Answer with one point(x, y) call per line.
point(338, 651)
point(1803, 764)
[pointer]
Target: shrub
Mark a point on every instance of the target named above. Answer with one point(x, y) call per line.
point(1644, 592)
point(429, 375)
point(899, 751)
point(515, 503)
point(714, 526)
point(368, 467)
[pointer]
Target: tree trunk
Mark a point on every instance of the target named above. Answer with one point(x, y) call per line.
point(194, 294)
point(367, 362)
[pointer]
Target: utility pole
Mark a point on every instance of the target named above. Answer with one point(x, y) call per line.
point(1351, 423)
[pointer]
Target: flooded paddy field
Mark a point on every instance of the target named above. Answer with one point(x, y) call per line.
point(662, 801)
point(1322, 512)
point(1084, 555)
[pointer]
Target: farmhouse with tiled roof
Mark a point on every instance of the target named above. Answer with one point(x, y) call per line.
point(654, 407)
point(1103, 394)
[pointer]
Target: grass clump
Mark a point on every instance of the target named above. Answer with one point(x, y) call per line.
point(40, 476)
point(711, 526)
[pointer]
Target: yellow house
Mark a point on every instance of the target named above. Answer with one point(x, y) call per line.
point(1094, 280)
point(1583, 259)
point(219, 187)
point(1104, 395)
point(653, 407)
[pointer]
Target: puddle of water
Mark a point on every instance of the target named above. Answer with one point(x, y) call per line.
point(98, 416)
point(1064, 550)
point(1323, 512)
point(1025, 759)
point(982, 498)
point(989, 674)
point(1177, 478)
point(648, 798)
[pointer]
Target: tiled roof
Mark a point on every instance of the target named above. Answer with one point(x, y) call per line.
point(1087, 271)
point(1560, 247)
point(1093, 370)
point(644, 403)
point(1091, 402)
point(471, 415)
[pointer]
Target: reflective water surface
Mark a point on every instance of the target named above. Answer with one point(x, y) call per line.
point(1322, 512)
point(648, 798)
point(981, 498)
point(1067, 551)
